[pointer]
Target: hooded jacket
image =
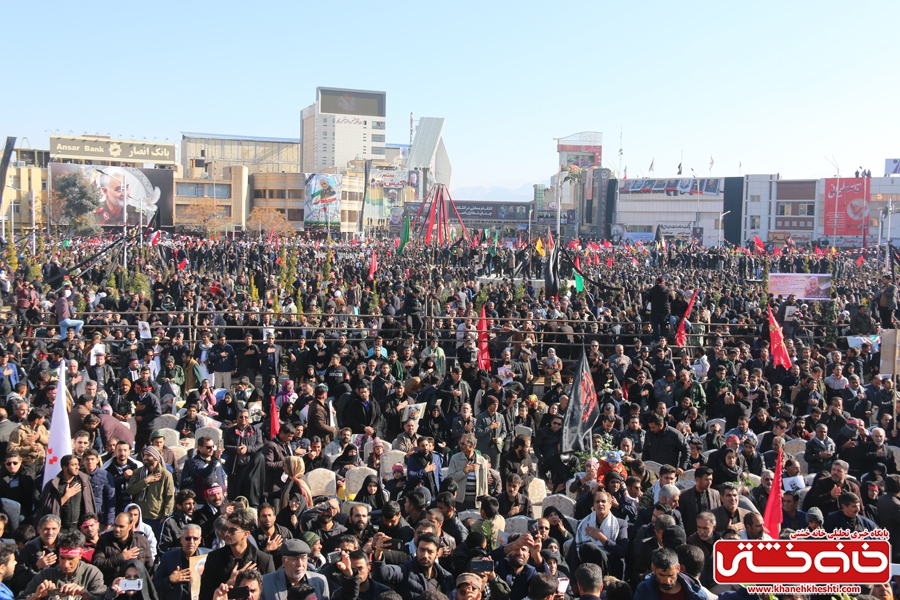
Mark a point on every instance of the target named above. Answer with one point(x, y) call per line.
point(157, 499)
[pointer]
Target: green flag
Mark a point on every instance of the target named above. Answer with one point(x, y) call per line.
point(404, 237)
point(497, 238)
point(579, 283)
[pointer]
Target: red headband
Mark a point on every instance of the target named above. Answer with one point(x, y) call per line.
point(213, 490)
point(89, 522)
point(70, 552)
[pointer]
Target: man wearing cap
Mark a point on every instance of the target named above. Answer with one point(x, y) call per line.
point(225, 564)
point(173, 575)
point(152, 488)
point(295, 556)
point(71, 576)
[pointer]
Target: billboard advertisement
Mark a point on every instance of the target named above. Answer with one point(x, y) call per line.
point(805, 286)
point(846, 205)
point(322, 207)
point(580, 155)
point(128, 151)
point(389, 189)
point(891, 166)
point(351, 102)
point(511, 212)
point(674, 187)
point(130, 189)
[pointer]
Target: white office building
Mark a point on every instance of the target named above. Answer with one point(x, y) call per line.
point(343, 125)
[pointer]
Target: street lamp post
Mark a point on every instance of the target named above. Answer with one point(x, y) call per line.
point(530, 212)
point(722, 224)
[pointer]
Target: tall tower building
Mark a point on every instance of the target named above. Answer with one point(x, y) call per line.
point(343, 125)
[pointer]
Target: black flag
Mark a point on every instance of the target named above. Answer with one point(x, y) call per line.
point(551, 271)
point(679, 168)
point(583, 410)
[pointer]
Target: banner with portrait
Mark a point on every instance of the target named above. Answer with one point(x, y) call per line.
point(130, 190)
point(846, 205)
point(322, 207)
point(805, 286)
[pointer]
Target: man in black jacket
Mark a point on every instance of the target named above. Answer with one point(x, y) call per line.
point(518, 461)
point(240, 441)
point(660, 307)
point(363, 412)
point(275, 452)
point(664, 444)
point(547, 449)
point(224, 565)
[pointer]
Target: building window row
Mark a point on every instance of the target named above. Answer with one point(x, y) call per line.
point(203, 190)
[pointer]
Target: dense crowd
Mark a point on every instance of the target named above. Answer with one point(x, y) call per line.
point(342, 421)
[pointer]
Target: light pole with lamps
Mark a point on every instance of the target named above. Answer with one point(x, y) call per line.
point(722, 224)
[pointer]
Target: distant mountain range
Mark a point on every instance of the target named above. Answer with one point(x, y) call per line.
point(524, 193)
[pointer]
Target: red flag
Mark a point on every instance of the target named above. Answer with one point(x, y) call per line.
point(396, 243)
point(573, 244)
point(484, 355)
point(607, 244)
point(154, 238)
point(278, 261)
point(182, 265)
point(776, 251)
point(274, 423)
point(609, 261)
point(578, 263)
point(776, 341)
point(819, 252)
point(549, 239)
point(860, 260)
point(681, 334)
point(773, 514)
point(271, 235)
point(760, 247)
point(373, 266)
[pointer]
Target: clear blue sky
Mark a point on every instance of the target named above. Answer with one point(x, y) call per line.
point(773, 85)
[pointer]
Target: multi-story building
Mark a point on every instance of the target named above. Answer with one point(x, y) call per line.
point(343, 125)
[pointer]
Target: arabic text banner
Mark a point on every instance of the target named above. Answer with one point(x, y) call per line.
point(846, 205)
point(805, 286)
point(137, 190)
point(323, 201)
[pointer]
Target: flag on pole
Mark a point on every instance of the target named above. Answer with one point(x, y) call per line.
point(274, 423)
point(652, 163)
point(551, 273)
point(404, 237)
point(773, 515)
point(484, 354)
point(583, 411)
point(776, 341)
point(271, 235)
point(711, 162)
point(183, 264)
point(154, 238)
point(60, 442)
point(819, 252)
point(609, 262)
point(373, 266)
point(625, 173)
point(679, 168)
point(681, 334)
point(549, 239)
point(760, 247)
point(860, 261)
point(539, 247)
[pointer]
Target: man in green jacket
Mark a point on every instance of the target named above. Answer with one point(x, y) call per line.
point(152, 488)
point(173, 375)
point(686, 386)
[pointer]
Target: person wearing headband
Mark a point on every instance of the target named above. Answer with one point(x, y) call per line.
point(120, 544)
point(71, 576)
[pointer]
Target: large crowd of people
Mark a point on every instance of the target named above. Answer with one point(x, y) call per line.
point(339, 420)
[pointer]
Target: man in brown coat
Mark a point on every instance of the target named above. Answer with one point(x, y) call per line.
point(119, 545)
point(318, 417)
point(68, 495)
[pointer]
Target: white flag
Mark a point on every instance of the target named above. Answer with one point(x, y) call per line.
point(60, 437)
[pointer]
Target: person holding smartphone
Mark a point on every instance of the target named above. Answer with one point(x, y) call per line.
point(132, 583)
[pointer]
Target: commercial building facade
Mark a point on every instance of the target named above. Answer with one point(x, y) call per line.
point(343, 125)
